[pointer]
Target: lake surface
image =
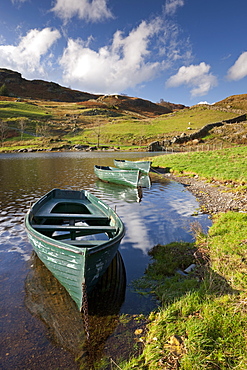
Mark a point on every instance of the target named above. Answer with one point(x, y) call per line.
point(40, 327)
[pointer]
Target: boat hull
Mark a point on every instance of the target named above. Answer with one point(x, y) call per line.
point(79, 266)
point(118, 176)
point(143, 166)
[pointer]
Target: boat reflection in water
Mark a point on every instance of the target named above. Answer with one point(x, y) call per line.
point(82, 333)
point(145, 181)
point(122, 192)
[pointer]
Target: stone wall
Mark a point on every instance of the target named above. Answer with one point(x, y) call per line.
point(184, 138)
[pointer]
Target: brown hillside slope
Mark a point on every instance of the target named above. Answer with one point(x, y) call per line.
point(234, 102)
point(43, 90)
point(39, 89)
point(127, 104)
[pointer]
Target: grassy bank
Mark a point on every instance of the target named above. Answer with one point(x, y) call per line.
point(223, 165)
point(202, 321)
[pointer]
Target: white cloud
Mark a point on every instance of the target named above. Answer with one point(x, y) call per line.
point(95, 10)
point(26, 56)
point(172, 5)
point(113, 68)
point(18, 1)
point(239, 69)
point(205, 102)
point(197, 76)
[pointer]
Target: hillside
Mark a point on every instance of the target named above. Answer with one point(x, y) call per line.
point(40, 114)
point(234, 102)
point(39, 89)
point(42, 90)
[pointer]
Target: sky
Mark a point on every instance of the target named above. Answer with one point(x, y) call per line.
point(180, 51)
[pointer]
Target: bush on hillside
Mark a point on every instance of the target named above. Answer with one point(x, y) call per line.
point(4, 90)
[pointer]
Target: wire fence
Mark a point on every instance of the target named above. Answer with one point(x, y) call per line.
point(196, 148)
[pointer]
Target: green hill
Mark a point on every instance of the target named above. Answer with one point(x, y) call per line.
point(111, 120)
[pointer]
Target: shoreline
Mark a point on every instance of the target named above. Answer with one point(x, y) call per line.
point(213, 197)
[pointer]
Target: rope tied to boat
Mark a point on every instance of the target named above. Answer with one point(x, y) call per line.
point(89, 348)
point(85, 310)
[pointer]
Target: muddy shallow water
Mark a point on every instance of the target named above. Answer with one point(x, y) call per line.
point(40, 326)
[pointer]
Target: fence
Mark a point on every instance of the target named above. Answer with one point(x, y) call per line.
point(196, 148)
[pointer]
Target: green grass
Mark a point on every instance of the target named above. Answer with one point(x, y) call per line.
point(20, 109)
point(129, 129)
point(228, 248)
point(222, 165)
point(202, 321)
point(197, 116)
point(166, 125)
point(25, 143)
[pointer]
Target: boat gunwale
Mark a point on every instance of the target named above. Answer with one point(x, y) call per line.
point(126, 161)
point(78, 250)
point(115, 169)
point(120, 231)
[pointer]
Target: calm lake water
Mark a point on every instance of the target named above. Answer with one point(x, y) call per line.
point(40, 327)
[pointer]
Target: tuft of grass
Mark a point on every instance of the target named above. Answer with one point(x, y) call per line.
point(228, 247)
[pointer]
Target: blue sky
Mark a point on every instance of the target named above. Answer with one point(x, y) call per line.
point(181, 51)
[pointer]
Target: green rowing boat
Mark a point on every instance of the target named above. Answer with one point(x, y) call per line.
point(76, 236)
point(143, 166)
point(118, 176)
